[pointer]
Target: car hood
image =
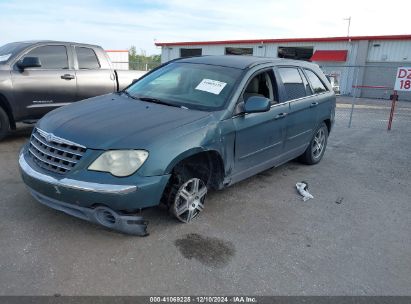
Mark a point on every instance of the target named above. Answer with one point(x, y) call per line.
point(116, 122)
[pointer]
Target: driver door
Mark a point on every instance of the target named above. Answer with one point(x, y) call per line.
point(42, 89)
point(259, 136)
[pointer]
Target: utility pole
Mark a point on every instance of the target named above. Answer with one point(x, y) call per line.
point(349, 24)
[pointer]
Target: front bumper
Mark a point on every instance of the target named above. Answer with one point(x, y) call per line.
point(105, 203)
point(129, 224)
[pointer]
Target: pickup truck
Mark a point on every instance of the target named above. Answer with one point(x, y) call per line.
point(39, 76)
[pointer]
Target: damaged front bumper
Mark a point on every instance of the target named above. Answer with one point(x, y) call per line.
point(129, 224)
point(106, 203)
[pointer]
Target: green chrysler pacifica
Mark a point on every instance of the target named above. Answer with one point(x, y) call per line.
point(191, 125)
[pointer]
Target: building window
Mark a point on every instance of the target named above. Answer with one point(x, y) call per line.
point(239, 51)
point(299, 53)
point(190, 52)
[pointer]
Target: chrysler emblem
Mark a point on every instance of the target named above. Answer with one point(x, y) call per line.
point(49, 137)
point(57, 190)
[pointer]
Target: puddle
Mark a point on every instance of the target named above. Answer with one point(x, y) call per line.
point(208, 251)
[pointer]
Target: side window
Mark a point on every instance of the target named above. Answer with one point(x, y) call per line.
point(306, 84)
point(51, 56)
point(315, 81)
point(293, 83)
point(87, 59)
point(262, 84)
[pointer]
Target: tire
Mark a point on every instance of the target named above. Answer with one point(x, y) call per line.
point(186, 195)
point(316, 148)
point(4, 124)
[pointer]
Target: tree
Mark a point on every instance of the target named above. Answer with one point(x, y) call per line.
point(142, 61)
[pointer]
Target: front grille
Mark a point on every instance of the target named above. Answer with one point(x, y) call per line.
point(54, 153)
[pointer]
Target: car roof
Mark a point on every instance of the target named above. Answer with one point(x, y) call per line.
point(242, 62)
point(34, 42)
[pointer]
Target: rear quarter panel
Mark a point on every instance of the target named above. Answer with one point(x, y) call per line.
point(327, 100)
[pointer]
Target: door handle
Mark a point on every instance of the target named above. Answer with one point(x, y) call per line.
point(313, 104)
point(281, 115)
point(67, 76)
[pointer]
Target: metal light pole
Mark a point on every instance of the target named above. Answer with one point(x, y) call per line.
point(349, 24)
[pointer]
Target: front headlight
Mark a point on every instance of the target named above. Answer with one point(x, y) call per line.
point(119, 162)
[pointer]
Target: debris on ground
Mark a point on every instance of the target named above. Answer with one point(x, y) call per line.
point(302, 188)
point(339, 200)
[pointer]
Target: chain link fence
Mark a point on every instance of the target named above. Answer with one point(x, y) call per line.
point(364, 96)
point(136, 65)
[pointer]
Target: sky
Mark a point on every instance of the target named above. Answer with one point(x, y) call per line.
point(119, 24)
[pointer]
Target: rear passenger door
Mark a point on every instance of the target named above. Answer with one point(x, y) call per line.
point(94, 76)
point(302, 118)
point(322, 95)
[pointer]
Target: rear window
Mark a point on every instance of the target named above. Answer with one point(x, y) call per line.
point(293, 83)
point(87, 59)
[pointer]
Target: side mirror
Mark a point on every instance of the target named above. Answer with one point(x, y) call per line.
point(29, 62)
point(257, 104)
point(134, 81)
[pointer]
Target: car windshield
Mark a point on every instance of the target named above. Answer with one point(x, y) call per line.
point(9, 50)
point(195, 86)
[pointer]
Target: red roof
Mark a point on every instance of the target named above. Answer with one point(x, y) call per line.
point(285, 40)
point(329, 55)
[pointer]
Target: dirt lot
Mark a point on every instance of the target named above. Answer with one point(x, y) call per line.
point(257, 237)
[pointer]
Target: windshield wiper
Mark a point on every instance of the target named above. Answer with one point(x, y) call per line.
point(128, 94)
point(159, 101)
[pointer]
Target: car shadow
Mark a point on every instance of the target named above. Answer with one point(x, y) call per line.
point(22, 132)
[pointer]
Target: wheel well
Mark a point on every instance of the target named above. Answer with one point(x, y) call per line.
point(6, 107)
point(208, 165)
point(328, 124)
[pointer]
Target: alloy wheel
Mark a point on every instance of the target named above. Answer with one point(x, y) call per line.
point(189, 200)
point(318, 143)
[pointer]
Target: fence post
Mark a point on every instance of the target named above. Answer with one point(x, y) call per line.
point(353, 97)
point(394, 100)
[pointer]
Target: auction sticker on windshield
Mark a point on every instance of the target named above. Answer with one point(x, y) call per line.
point(211, 86)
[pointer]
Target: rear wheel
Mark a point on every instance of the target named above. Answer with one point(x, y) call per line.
point(4, 124)
point(316, 149)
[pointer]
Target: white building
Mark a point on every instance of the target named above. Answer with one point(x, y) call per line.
point(119, 58)
point(364, 66)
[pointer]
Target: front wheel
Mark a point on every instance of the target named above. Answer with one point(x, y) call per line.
point(4, 124)
point(187, 195)
point(189, 200)
point(316, 148)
